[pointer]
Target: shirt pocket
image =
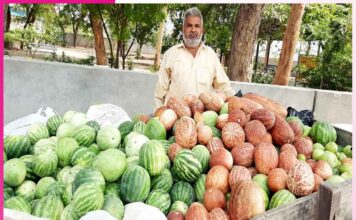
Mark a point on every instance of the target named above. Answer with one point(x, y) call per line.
point(204, 76)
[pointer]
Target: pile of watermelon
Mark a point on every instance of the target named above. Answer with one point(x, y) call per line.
point(206, 157)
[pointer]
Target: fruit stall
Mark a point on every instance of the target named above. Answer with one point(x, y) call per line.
point(205, 157)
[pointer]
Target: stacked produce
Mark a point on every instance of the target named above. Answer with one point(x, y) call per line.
point(203, 157)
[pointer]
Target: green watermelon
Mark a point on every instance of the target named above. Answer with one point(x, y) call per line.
point(108, 137)
point(82, 156)
point(26, 190)
point(68, 115)
point(199, 187)
point(53, 124)
point(210, 118)
point(69, 179)
point(112, 189)
point(155, 130)
point(16, 146)
point(69, 213)
point(28, 159)
point(65, 130)
point(183, 191)
point(152, 157)
point(140, 127)
point(64, 149)
point(88, 175)
point(187, 165)
point(43, 146)
point(114, 206)
point(323, 133)
point(67, 194)
point(262, 181)
point(63, 174)
point(133, 143)
point(281, 197)
point(88, 197)
point(125, 128)
point(18, 203)
point(78, 119)
point(224, 109)
point(133, 160)
point(179, 206)
point(45, 164)
point(135, 184)
point(42, 186)
point(94, 125)
point(94, 148)
point(84, 135)
point(8, 192)
point(163, 182)
point(14, 172)
point(203, 155)
point(166, 144)
point(37, 131)
point(57, 189)
point(111, 163)
point(160, 199)
point(216, 131)
point(50, 206)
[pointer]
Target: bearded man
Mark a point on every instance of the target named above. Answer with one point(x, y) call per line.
point(191, 67)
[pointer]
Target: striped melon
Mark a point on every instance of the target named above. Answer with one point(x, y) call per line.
point(133, 160)
point(67, 194)
point(199, 187)
point(95, 125)
point(139, 127)
point(203, 155)
point(112, 189)
point(14, 172)
point(133, 143)
point(28, 159)
point(216, 131)
point(152, 157)
point(68, 115)
point(72, 173)
point(114, 206)
point(8, 192)
point(108, 137)
point(135, 184)
point(18, 203)
point(166, 144)
point(88, 175)
point(53, 124)
point(111, 163)
point(187, 166)
point(16, 146)
point(42, 186)
point(84, 135)
point(88, 197)
point(78, 119)
point(82, 156)
point(50, 207)
point(163, 182)
point(155, 130)
point(179, 206)
point(64, 149)
point(323, 133)
point(182, 191)
point(160, 199)
point(69, 213)
point(65, 130)
point(44, 145)
point(26, 190)
point(37, 131)
point(281, 197)
point(94, 148)
point(57, 189)
point(63, 174)
point(45, 164)
point(125, 128)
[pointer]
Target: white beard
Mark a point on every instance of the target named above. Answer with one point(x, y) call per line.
point(192, 42)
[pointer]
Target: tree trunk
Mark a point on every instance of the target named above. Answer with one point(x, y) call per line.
point(244, 37)
point(256, 57)
point(108, 37)
point(308, 48)
point(159, 41)
point(75, 33)
point(291, 35)
point(319, 46)
point(7, 19)
point(123, 55)
point(99, 39)
point(118, 48)
point(31, 18)
point(268, 50)
point(64, 43)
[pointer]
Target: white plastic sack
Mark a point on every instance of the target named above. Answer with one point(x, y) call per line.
point(98, 214)
point(107, 114)
point(21, 125)
point(139, 211)
point(10, 214)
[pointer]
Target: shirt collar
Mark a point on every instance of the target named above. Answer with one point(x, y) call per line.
point(202, 45)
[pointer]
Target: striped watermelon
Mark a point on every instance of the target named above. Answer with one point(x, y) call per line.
point(53, 124)
point(67, 194)
point(108, 137)
point(95, 125)
point(8, 192)
point(42, 186)
point(155, 130)
point(125, 128)
point(187, 166)
point(139, 127)
point(65, 130)
point(111, 163)
point(45, 164)
point(160, 199)
point(69, 213)
point(72, 173)
point(16, 146)
point(163, 182)
point(179, 206)
point(199, 187)
point(135, 184)
point(166, 144)
point(82, 156)
point(64, 149)
point(94, 148)
point(78, 119)
point(50, 207)
point(88, 197)
point(26, 190)
point(224, 109)
point(18, 203)
point(133, 143)
point(37, 131)
point(281, 197)
point(84, 135)
point(323, 133)
point(133, 160)
point(44, 145)
point(216, 131)
point(182, 191)
point(28, 159)
point(152, 157)
point(114, 206)
point(203, 155)
point(88, 175)
point(167, 163)
point(68, 115)
point(14, 172)
point(33, 204)
point(112, 189)
point(57, 189)
point(175, 176)
point(63, 174)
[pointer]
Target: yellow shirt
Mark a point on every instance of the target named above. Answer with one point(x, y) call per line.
point(182, 74)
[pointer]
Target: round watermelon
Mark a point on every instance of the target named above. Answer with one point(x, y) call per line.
point(108, 137)
point(152, 157)
point(84, 135)
point(18, 203)
point(64, 149)
point(163, 182)
point(16, 146)
point(37, 131)
point(50, 206)
point(160, 199)
point(187, 166)
point(155, 130)
point(14, 172)
point(183, 191)
point(45, 164)
point(53, 124)
point(88, 197)
point(26, 190)
point(42, 186)
point(88, 175)
point(114, 206)
point(133, 143)
point(281, 197)
point(323, 133)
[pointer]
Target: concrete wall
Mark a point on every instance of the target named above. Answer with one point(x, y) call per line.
point(32, 84)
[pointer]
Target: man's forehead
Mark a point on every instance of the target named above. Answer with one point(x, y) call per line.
point(192, 19)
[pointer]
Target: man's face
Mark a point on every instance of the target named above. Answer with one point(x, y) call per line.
point(192, 31)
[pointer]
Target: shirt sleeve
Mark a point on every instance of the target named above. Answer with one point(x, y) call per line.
point(221, 82)
point(163, 82)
